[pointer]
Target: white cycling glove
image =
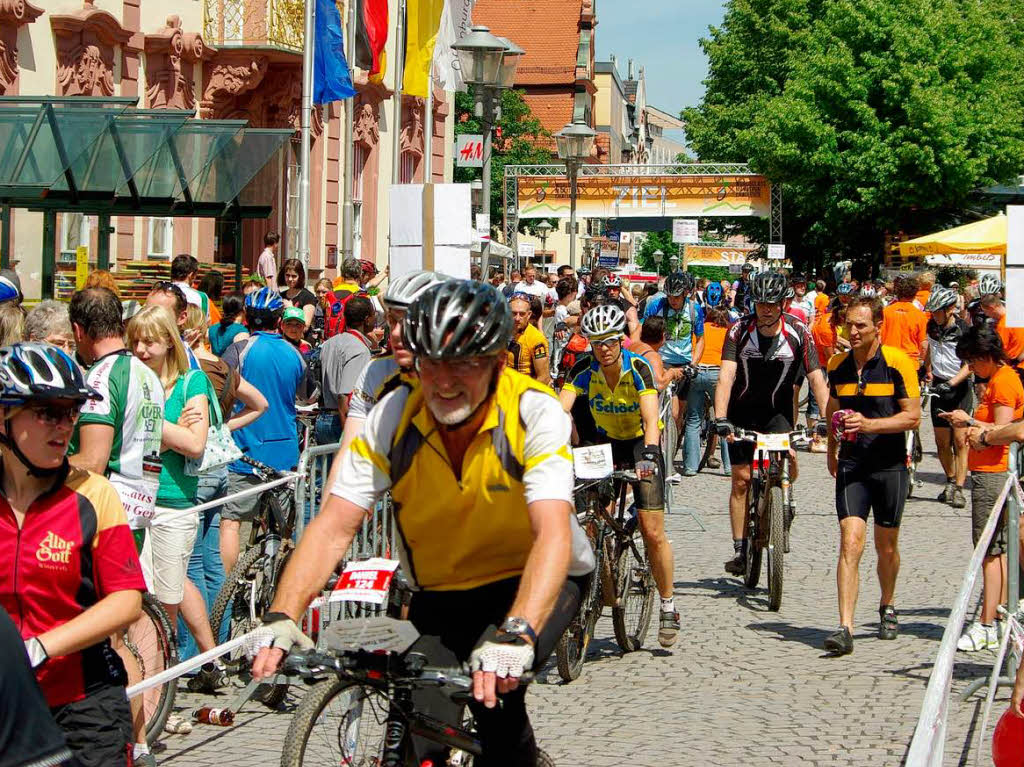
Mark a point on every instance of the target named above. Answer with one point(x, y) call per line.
point(280, 631)
point(506, 659)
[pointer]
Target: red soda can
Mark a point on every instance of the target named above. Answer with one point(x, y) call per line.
point(839, 426)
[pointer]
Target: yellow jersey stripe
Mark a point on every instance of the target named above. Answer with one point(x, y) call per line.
point(362, 448)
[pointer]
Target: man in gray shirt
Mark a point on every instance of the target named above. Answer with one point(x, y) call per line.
point(342, 359)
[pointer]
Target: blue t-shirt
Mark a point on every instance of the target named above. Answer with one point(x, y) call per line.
point(680, 327)
point(276, 368)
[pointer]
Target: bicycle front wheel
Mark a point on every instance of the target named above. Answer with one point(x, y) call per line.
point(337, 722)
point(776, 519)
point(635, 593)
point(752, 561)
point(151, 642)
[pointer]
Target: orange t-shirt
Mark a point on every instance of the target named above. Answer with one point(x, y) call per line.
point(922, 297)
point(1004, 388)
point(714, 340)
point(824, 336)
point(215, 314)
point(906, 328)
point(1013, 340)
point(821, 302)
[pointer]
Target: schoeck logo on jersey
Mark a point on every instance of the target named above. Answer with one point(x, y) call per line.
point(599, 405)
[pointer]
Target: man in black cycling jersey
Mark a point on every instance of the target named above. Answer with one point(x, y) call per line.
point(765, 353)
point(619, 389)
point(988, 285)
point(741, 290)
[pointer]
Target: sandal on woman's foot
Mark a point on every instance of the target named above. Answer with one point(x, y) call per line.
point(178, 725)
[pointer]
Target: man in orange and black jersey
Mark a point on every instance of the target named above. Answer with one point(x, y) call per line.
point(71, 576)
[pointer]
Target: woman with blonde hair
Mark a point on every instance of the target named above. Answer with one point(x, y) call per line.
point(12, 324)
point(205, 567)
point(152, 336)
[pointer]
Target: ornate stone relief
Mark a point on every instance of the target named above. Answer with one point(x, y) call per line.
point(171, 55)
point(13, 14)
point(231, 75)
point(86, 41)
point(365, 128)
point(411, 139)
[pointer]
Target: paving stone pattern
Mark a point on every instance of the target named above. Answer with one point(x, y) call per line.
point(743, 686)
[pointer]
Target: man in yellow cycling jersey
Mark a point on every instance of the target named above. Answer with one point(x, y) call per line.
point(620, 388)
point(476, 457)
point(528, 350)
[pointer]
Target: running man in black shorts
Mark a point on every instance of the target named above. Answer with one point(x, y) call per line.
point(878, 386)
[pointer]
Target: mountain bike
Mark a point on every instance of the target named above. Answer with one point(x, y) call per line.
point(770, 508)
point(152, 644)
point(622, 578)
point(914, 450)
point(360, 711)
point(249, 588)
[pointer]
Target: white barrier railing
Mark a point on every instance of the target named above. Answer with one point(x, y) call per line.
point(928, 744)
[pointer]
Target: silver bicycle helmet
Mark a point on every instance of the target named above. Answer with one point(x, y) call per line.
point(989, 285)
point(36, 371)
point(456, 319)
point(940, 298)
point(405, 289)
point(844, 288)
point(678, 283)
point(868, 291)
point(605, 321)
point(768, 288)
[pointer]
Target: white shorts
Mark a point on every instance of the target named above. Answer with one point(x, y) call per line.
point(166, 552)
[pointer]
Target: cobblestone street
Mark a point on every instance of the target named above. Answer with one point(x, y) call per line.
point(743, 685)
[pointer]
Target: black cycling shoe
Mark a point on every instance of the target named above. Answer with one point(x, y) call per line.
point(210, 678)
point(839, 643)
point(736, 565)
point(888, 625)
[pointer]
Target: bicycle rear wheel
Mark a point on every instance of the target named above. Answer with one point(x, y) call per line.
point(244, 597)
point(337, 722)
point(151, 642)
point(635, 593)
point(707, 435)
point(775, 517)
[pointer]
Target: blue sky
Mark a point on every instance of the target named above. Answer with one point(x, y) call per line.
point(661, 35)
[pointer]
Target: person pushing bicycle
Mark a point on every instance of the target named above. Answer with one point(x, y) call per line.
point(620, 389)
point(765, 353)
point(477, 460)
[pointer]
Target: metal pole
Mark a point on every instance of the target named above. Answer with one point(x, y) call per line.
point(428, 130)
point(307, 109)
point(396, 128)
point(347, 209)
point(236, 234)
point(103, 242)
point(1012, 555)
point(49, 251)
point(573, 169)
point(487, 98)
point(5, 236)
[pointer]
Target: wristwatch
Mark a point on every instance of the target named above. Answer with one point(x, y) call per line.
point(983, 439)
point(518, 627)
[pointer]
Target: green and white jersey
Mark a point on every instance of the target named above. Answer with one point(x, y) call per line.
point(133, 404)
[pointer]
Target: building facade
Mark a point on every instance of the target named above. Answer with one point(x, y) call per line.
point(221, 59)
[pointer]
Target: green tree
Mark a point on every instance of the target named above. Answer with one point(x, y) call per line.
point(656, 241)
point(875, 116)
point(521, 137)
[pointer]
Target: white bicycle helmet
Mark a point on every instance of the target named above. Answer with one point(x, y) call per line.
point(405, 289)
point(605, 321)
point(989, 285)
point(868, 291)
point(940, 298)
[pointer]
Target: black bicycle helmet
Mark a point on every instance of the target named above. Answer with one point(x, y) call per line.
point(456, 319)
point(768, 288)
point(678, 284)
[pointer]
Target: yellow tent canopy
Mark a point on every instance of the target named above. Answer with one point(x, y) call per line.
point(986, 236)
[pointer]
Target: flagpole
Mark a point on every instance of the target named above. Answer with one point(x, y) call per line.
point(304, 138)
point(396, 146)
point(428, 129)
point(348, 210)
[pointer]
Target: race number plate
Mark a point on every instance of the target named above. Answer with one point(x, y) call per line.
point(772, 442)
point(365, 581)
point(594, 462)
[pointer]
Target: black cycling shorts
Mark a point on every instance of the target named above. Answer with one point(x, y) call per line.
point(742, 453)
point(98, 728)
point(860, 492)
point(648, 493)
point(961, 398)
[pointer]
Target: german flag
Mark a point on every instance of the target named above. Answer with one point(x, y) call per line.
point(371, 36)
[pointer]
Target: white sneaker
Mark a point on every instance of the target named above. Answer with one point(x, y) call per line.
point(977, 638)
point(674, 478)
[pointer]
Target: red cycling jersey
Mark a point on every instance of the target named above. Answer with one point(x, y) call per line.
point(73, 549)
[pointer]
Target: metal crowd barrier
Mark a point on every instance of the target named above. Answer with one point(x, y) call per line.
point(928, 744)
point(670, 443)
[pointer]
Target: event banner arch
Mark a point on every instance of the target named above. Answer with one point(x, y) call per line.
point(640, 191)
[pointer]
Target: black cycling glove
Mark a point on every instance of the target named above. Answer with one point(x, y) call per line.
point(942, 389)
point(723, 428)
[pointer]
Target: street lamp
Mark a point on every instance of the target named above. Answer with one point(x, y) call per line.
point(543, 230)
point(673, 263)
point(575, 143)
point(658, 258)
point(489, 64)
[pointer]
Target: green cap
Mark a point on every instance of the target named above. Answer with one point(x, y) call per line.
point(294, 313)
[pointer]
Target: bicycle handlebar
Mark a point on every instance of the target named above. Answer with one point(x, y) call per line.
point(268, 471)
point(625, 476)
point(743, 435)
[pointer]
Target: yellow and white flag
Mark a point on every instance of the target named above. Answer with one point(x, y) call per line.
point(423, 19)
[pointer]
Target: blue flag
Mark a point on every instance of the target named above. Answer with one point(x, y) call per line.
point(331, 79)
